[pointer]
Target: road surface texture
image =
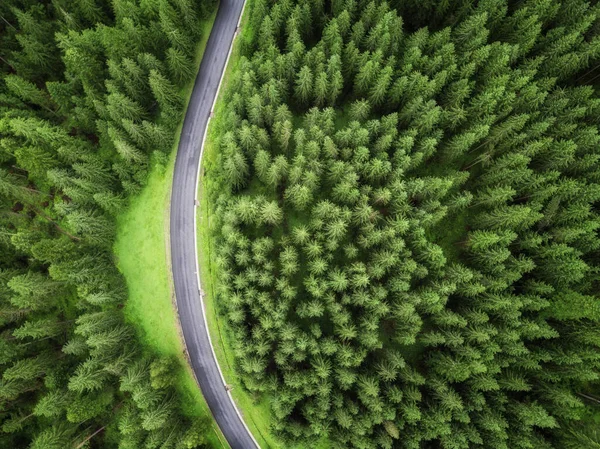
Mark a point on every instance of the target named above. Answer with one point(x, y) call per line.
point(182, 228)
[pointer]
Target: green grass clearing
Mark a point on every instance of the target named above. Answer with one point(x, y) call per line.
point(141, 250)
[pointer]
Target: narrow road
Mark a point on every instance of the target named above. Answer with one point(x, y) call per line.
point(183, 229)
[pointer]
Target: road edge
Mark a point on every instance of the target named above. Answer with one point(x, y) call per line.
point(196, 205)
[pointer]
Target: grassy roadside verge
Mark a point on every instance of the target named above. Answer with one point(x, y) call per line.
point(255, 410)
point(141, 248)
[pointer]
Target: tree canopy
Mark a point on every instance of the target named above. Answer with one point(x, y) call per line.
point(405, 199)
point(90, 95)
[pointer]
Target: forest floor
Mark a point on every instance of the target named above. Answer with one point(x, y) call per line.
point(141, 249)
point(255, 409)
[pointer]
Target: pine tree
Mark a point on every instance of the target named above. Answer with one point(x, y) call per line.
point(304, 85)
point(179, 65)
point(55, 437)
point(164, 91)
point(28, 92)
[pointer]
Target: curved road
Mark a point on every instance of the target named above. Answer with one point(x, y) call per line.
point(183, 229)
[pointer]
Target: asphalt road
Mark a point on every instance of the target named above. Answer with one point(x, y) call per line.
point(182, 232)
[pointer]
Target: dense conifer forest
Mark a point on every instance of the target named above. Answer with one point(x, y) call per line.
point(407, 211)
point(89, 99)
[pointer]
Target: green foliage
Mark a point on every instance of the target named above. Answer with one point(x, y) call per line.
point(89, 91)
point(405, 218)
